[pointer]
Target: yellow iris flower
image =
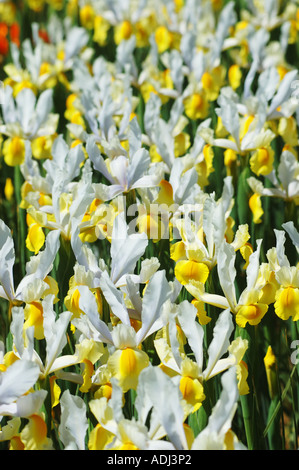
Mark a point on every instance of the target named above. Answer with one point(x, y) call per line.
point(87, 16)
point(251, 310)
point(166, 39)
point(261, 161)
point(256, 208)
point(270, 363)
point(34, 434)
point(14, 151)
point(101, 28)
point(287, 296)
point(126, 365)
point(35, 238)
point(99, 438)
point(122, 31)
point(191, 270)
point(8, 189)
point(197, 106)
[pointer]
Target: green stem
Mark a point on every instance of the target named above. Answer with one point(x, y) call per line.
point(273, 431)
point(246, 405)
point(21, 222)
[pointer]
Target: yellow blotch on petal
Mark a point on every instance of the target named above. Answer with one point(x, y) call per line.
point(261, 161)
point(9, 189)
point(163, 39)
point(287, 303)
point(282, 71)
point(19, 86)
point(287, 129)
point(128, 446)
point(45, 68)
point(42, 147)
point(87, 16)
point(152, 225)
point(77, 118)
point(9, 359)
point(189, 270)
point(291, 149)
point(251, 314)
point(25, 190)
point(242, 375)
point(14, 151)
point(229, 440)
point(165, 195)
point(87, 374)
point(201, 313)
point(192, 391)
point(230, 157)
point(204, 167)
point(48, 75)
point(255, 205)
point(71, 302)
point(212, 81)
point(220, 130)
point(16, 443)
point(246, 250)
point(245, 125)
point(35, 238)
point(234, 76)
point(269, 288)
point(217, 4)
point(155, 156)
point(178, 251)
point(55, 391)
point(101, 28)
point(36, 5)
point(53, 288)
point(189, 435)
point(34, 434)
point(99, 438)
point(207, 80)
point(181, 144)
point(196, 106)
point(144, 28)
point(89, 234)
point(104, 391)
point(146, 90)
point(128, 362)
point(44, 200)
point(230, 232)
point(33, 314)
point(123, 31)
point(126, 365)
point(271, 371)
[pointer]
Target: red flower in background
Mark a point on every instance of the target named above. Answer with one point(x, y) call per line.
point(14, 32)
point(4, 44)
point(44, 35)
point(7, 34)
